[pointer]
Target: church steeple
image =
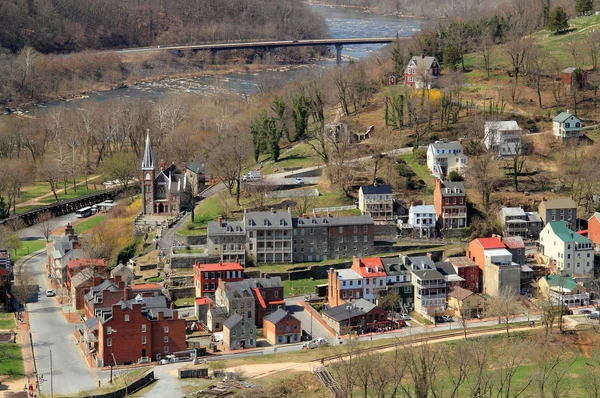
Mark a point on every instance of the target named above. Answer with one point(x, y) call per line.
point(148, 161)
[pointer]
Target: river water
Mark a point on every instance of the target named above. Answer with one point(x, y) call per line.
point(342, 23)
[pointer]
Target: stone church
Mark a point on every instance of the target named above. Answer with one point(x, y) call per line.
point(165, 192)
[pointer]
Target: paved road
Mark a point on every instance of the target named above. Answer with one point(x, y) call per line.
point(50, 331)
point(291, 303)
point(34, 232)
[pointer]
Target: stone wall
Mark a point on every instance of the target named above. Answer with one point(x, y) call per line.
point(386, 230)
point(182, 292)
point(191, 240)
point(182, 280)
point(188, 260)
point(193, 373)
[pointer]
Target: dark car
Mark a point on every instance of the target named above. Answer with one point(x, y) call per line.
point(567, 312)
point(439, 319)
point(585, 312)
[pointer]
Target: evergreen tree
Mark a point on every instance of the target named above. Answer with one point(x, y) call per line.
point(452, 57)
point(4, 209)
point(584, 6)
point(558, 21)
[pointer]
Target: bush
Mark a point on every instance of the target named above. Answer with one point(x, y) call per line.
point(420, 156)
point(404, 170)
point(454, 176)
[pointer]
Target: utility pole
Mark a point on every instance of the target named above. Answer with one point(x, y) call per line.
point(51, 379)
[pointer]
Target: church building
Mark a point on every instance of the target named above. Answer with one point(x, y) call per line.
point(166, 192)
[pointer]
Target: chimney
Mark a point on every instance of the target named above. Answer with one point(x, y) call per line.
point(429, 256)
point(273, 210)
point(126, 293)
point(220, 221)
point(375, 184)
point(69, 230)
point(572, 197)
point(184, 167)
point(162, 165)
point(289, 209)
point(221, 262)
point(422, 56)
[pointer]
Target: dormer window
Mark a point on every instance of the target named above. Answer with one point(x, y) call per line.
point(281, 223)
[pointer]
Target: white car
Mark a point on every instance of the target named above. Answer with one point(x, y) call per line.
point(50, 293)
point(299, 181)
point(404, 317)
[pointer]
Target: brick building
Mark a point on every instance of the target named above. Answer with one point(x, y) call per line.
point(281, 327)
point(4, 286)
point(344, 285)
point(450, 202)
point(268, 296)
point(207, 276)
point(467, 269)
point(374, 277)
point(594, 229)
point(142, 327)
point(111, 291)
point(360, 315)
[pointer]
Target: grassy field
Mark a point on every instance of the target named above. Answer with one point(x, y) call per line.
point(28, 247)
point(301, 286)
point(7, 321)
point(207, 210)
point(189, 251)
point(89, 223)
point(184, 301)
point(301, 155)
point(11, 363)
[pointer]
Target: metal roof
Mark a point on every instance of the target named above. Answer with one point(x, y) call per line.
point(379, 189)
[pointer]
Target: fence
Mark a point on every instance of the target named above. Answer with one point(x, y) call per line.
point(133, 387)
point(331, 209)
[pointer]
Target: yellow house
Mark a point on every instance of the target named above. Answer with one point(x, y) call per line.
point(464, 302)
point(559, 287)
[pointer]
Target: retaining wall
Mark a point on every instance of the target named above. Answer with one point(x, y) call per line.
point(193, 373)
point(188, 260)
point(140, 383)
point(191, 240)
point(182, 292)
point(386, 230)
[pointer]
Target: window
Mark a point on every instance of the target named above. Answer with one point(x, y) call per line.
point(355, 228)
point(276, 293)
point(108, 330)
point(365, 238)
point(356, 238)
point(447, 201)
point(280, 339)
point(251, 331)
point(233, 332)
point(127, 315)
point(351, 294)
point(166, 329)
point(343, 294)
point(366, 228)
point(109, 342)
point(166, 349)
point(567, 125)
point(341, 230)
point(295, 326)
point(343, 283)
point(166, 339)
point(454, 200)
point(144, 328)
point(143, 339)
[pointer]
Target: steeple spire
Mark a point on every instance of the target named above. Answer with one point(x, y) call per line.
point(148, 161)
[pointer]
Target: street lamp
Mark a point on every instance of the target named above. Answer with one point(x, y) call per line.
point(311, 316)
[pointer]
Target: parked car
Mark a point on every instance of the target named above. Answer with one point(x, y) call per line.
point(585, 312)
point(567, 311)
point(594, 315)
point(168, 359)
point(50, 293)
point(405, 317)
point(299, 181)
point(448, 318)
point(439, 319)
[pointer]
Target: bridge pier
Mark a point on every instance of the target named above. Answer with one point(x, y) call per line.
point(213, 56)
point(338, 50)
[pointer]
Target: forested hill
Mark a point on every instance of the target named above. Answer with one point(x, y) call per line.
point(74, 25)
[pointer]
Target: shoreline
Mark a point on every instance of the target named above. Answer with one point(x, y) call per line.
point(364, 9)
point(220, 70)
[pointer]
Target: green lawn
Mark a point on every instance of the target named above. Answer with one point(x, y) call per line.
point(300, 155)
point(190, 251)
point(301, 286)
point(7, 321)
point(207, 210)
point(184, 302)
point(25, 209)
point(88, 224)
point(11, 362)
point(81, 191)
point(28, 247)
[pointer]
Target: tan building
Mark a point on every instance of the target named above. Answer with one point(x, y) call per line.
point(239, 333)
point(565, 289)
point(376, 201)
point(465, 303)
point(561, 209)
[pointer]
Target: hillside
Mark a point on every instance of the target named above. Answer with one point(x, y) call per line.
point(72, 25)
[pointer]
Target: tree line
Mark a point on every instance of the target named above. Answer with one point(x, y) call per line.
point(60, 26)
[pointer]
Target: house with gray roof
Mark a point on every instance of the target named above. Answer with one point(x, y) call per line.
point(358, 315)
point(518, 222)
point(560, 209)
point(566, 126)
point(277, 237)
point(377, 202)
point(450, 202)
point(445, 157)
point(239, 333)
point(430, 291)
point(503, 137)
point(197, 176)
point(60, 251)
point(422, 72)
point(237, 298)
point(398, 282)
point(282, 327)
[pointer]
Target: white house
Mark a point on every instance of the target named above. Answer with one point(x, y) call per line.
point(376, 201)
point(422, 218)
point(503, 137)
point(430, 291)
point(444, 157)
point(570, 252)
point(565, 126)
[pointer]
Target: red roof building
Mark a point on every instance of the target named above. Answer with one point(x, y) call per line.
point(477, 246)
point(207, 276)
point(94, 267)
point(374, 276)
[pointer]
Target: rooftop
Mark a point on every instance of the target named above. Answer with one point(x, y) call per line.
point(221, 266)
point(490, 243)
point(423, 209)
point(357, 308)
point(460, 293)
point(428, 274)
point(277, 316)
point(566, 282)
point(463, 261)
point(335, 221)
point(513, 242)
point(504, 125)
point(348, 274)
point(559, 203)
point(453, 188)
point(513, 212)
point(561, 117)
point(565, 234)
point(438, 145)
point(378, 189)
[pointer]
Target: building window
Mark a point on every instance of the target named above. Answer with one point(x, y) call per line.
point(233, 332)
point(143, 328)
point(109, 342)
point(166, 329)
point(251, 331)
point(166, 339)
point(280, 339)
point(127, 315)
point(447, 201)
point(143, 339)
point(341, 230)
point(166, 349)
point(276, 293)
point(108, 330)
point(343, 294)
point(365, 238)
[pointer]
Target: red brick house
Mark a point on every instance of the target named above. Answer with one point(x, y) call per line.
point(360, 315)
point(450, 202)
point(282, 328)
point(467, 269)
point(141, 327)
point(111, 291)
point(207, 276)
point(268, 296)
point(422, 72)
point(594, 229)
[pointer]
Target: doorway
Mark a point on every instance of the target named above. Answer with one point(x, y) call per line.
point(143, 353)
point(287, 339)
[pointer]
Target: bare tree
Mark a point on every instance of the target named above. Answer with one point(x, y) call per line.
point(24, 286)
point(509, 358)
point(517, 50)
point(482, 176)
point(45, 223)
point(422, 363)
point(504, 306)
point(458, 366)
point(485, 47)
point(303, 204)
point(121, 166)
point(593, 43)
point(551, 369)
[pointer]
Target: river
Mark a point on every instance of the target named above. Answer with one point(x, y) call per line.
point(342, 23)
